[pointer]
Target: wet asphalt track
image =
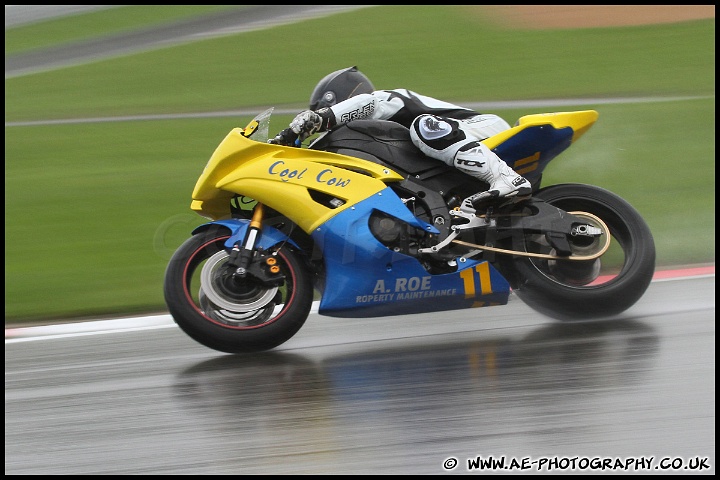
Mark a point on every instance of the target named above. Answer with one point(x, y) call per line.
point(398, 395)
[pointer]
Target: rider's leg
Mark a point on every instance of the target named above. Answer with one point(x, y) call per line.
point(457, 143)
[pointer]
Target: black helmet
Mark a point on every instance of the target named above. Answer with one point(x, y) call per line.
point(338, 86)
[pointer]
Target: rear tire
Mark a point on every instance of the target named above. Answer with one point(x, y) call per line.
point(575, 291)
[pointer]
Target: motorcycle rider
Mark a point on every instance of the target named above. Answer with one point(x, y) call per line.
point(441, 130)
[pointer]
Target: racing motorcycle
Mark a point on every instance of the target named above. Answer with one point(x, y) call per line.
point(363, 221)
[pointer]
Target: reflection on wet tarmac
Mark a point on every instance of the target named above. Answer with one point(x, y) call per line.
point(557, 356)
point(414, 397)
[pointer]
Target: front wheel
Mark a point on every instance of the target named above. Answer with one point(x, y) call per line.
point(582, 290)
point(230, 314)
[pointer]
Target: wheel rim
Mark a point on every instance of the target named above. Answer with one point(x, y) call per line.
point(212, 297)
point(579, 273)
point(591, 273)
point(228, 317)
point(230, 294)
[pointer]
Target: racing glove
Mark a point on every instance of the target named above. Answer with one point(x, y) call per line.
point(308, 123)
point(305, 124)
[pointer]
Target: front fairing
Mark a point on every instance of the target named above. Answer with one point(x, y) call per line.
point(307, 186)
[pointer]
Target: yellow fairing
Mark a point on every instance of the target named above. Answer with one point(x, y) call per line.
point(579, 121)
point(287, 179)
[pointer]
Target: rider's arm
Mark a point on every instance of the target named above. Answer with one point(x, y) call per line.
point(399, 105)
point(377, 105)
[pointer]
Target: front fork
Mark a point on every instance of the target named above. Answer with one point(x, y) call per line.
point(243, 252)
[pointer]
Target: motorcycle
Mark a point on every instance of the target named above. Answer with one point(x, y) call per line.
point(362, 220)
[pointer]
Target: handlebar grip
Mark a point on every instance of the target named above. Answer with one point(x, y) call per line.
point(287, 137)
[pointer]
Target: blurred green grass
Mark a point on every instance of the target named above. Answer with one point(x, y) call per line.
point(54, 32)
point(94, 210)
point(472, 61)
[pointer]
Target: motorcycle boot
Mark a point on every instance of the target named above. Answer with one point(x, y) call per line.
point(482, 163)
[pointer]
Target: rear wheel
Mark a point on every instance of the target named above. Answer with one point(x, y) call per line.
point(581, 290)
point(232, 314)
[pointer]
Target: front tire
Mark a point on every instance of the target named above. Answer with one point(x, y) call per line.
point(607, 286)
point(231, 316)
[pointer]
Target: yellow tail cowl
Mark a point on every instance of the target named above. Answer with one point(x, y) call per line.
point(307, 186)
point(579, 121)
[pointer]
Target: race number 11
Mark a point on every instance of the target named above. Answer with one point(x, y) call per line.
point(468, 277)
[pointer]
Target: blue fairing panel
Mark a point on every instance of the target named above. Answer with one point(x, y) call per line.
point(364, 278)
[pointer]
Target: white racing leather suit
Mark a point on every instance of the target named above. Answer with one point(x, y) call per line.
point(441, 130)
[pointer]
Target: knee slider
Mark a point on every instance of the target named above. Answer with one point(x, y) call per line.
point(436, 132)
point(430, 127)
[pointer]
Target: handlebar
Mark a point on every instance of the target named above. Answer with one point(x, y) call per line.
point(289, 138)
